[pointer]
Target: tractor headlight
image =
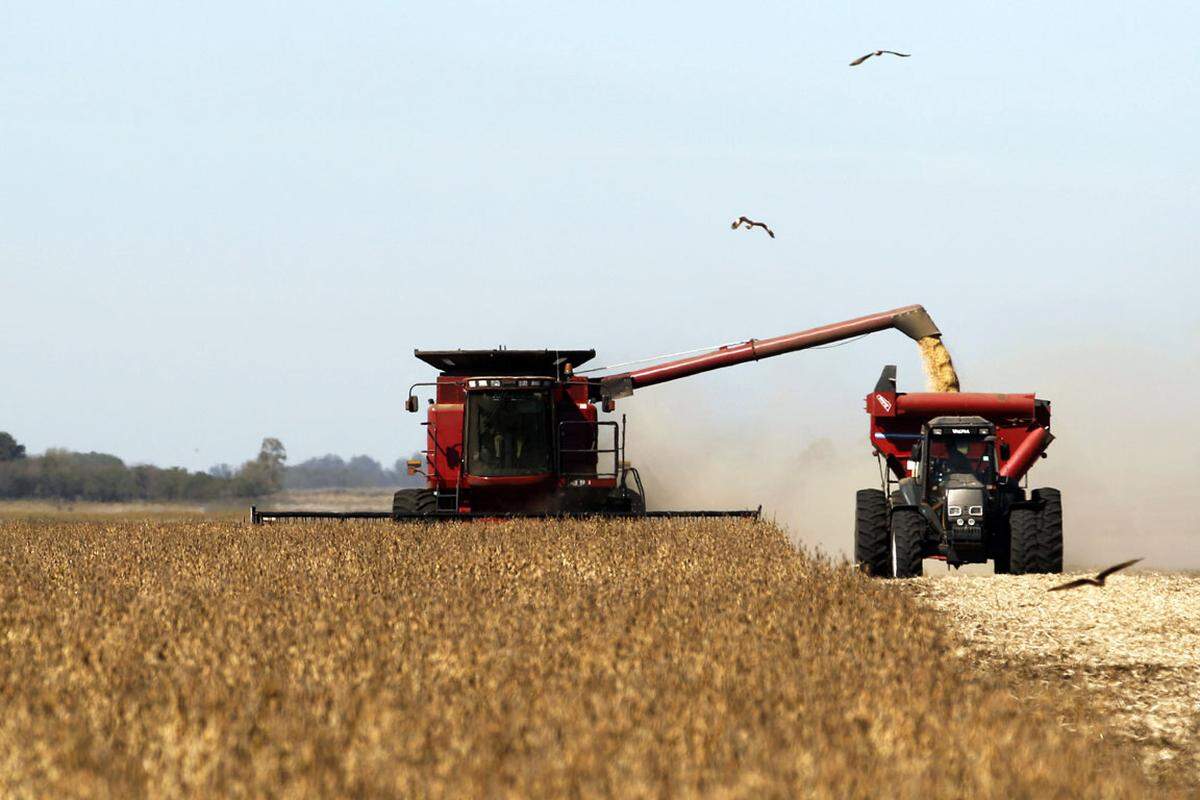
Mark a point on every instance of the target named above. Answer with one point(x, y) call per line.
point(954, 511)
point(971, 522)
point(960, 521)
point(975, 511)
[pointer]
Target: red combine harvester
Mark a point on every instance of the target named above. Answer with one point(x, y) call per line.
point(517, 432)
point(951, 466)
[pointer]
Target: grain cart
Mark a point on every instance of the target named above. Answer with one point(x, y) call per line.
point(951, 465)
point(518, 433)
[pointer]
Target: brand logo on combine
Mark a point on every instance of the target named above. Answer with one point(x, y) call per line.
point(883, 402)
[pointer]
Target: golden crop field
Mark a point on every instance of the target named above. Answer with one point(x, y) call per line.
point(518, 659)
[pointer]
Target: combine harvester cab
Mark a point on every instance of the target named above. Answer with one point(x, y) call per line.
point(516, 432)
point(951, 467)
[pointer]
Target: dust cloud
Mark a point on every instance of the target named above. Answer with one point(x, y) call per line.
point(805, 484)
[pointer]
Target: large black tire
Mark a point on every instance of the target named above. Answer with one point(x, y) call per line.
point(1026, 553)
point(908, 536)
point(872, 539)
point(1050, 524)
point(414, 501)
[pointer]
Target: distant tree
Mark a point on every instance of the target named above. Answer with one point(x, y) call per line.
point(263, 475)
point(272, 453)
point(9, 449)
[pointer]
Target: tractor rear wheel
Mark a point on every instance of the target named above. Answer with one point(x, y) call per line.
point(413, 501)
point(908, 537)
point(872, 539)
point(1050, 523)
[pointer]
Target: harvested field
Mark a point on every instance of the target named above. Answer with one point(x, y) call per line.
point(513, 659)
point(1133, 647)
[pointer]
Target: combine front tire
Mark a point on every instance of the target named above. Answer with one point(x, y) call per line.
point(872, 539)
point(908, 537)
point(413, 501)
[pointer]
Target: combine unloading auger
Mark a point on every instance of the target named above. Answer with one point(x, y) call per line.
point(516, 433)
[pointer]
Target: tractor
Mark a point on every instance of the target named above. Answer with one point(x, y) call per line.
point(951, 465)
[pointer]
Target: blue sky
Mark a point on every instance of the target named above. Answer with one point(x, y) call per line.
point(223, 221)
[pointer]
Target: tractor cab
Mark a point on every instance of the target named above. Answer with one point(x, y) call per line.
point(957, 468)
point(958, 451)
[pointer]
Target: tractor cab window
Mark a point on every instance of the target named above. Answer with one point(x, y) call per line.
point(509, 433)
point(960, 456)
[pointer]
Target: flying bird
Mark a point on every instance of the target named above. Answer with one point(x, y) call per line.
point(1096, 581)
point(858, 61)
point(749, 223)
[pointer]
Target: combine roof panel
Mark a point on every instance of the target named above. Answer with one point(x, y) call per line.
point(503, 362)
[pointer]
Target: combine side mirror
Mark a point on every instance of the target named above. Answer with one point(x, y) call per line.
point(608, 405)
point(412, 403)
point(414, 466)
point(916, 451)
point(1005, 451)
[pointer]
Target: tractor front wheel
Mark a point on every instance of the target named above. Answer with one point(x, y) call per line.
point(872, 539)
point(908, 538)
point(407, 502)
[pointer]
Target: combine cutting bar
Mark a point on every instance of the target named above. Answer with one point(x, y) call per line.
point(259, 517)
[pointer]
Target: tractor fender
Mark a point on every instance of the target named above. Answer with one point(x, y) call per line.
point(909, 493)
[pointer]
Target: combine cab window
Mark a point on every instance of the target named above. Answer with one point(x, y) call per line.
point(509, 433)
point(962, 457)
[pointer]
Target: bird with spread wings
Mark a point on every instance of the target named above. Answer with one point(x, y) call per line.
point(861, 59)
point(749, 223)
point(1096, 581)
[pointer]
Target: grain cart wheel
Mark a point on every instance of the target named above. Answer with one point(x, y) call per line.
point(1050, 522)
point(908, 535)
point(413, 501)
point(1026, 553)
point(872, 539)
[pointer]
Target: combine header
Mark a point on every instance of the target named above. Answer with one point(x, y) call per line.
point(518, 433)
point(951, 466)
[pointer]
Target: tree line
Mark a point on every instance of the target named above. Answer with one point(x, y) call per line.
point(67, 475)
